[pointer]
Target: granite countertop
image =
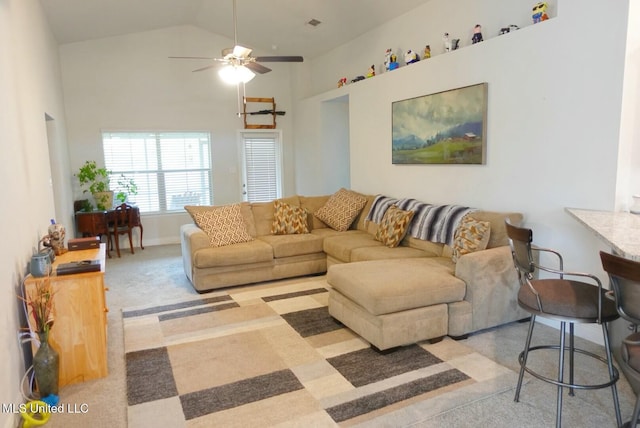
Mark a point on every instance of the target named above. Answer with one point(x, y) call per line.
point(621, 230)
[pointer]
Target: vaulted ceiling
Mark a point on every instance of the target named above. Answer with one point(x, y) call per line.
point(278, 27)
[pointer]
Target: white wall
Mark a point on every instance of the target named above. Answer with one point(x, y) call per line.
point(30, 88)
point(555, 93)
point(129, 83)
point(629, 154)
point(554, 113)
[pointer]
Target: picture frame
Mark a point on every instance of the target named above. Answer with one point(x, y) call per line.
point(448, 127)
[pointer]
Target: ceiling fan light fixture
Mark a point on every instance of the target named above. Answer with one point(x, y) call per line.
point(234, 74)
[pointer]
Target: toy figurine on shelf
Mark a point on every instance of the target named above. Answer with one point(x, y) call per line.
point(410, 57)
point(455, 44)
point(477, 34)
point(447, 42)
point(510, 28)
point(393, 64)
point(357, 79)
point(342, 82)
point(539, 12)
point(372, 71)
point(387, 59)
point(427, 52)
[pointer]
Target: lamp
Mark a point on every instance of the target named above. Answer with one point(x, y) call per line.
point(233, 74)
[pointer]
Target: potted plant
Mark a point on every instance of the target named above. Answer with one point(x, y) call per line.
point(126, 187)
point(96, 182)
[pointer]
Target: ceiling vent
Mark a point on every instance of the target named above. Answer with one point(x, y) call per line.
point(314, 22)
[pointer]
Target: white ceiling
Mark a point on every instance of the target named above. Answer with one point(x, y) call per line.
point(278, 27)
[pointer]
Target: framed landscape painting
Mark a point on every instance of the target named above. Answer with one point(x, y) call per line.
point(443, 128)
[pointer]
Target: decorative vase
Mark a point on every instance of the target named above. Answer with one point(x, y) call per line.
point(46, 364)
point(57, 233)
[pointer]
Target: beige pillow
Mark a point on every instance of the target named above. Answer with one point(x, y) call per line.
point(393, 226)
point(471, 235)
point(223, 224)
point(288, 219)
point(341, 209)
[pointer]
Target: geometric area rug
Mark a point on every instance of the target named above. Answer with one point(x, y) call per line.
point(273, 356)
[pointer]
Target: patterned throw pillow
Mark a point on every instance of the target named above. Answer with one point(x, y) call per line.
point(341, 209)
point(224, 225)
point(393, 226)
point(288, 219)
point(471, 235)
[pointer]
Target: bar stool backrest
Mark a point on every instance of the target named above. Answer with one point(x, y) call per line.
point(624, 275)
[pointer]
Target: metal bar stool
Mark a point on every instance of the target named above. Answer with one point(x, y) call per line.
point(624, 275)
point(564, 300)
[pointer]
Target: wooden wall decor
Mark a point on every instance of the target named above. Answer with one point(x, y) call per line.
point(269, 111)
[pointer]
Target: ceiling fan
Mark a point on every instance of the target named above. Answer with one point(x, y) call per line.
point(239, 65)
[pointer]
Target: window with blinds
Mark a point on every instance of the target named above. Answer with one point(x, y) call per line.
point(171, 169)
point(262, 166)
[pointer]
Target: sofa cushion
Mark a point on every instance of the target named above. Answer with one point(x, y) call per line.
point(313, 204)
point(245, 210)
point(340, 246)
point(393, 226)
point(498, 236)
point(420, 244)
point(293, 245)
point(224, 225)
point(471, 235)
point(254, 251)
point(378, 286)
point(264, 212)
point(288, 219)
point(341, 209)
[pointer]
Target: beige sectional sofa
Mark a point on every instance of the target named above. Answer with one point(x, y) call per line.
point(389, 296)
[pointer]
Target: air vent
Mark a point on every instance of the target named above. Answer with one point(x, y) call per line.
point(314, 22)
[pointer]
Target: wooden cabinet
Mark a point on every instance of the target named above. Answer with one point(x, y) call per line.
point(79, 332)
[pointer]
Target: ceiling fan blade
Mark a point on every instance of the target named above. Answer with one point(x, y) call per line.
point(190, 57)
point(241, 52)
point(205, 68)
point(279, 59)
point(257, 68)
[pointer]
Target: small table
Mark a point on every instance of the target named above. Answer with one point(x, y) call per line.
point(100, 222)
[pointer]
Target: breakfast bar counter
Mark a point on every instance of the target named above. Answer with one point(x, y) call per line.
point(620, 230)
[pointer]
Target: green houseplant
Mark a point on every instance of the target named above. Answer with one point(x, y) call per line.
point(126, 187)
point(96, 181)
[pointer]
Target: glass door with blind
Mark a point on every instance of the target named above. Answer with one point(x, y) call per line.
point(261, 162)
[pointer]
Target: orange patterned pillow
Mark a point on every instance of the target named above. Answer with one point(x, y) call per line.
point(223, 224)
point(393, 226)
point(471, 235)
point(288, 219)
point(341, 209)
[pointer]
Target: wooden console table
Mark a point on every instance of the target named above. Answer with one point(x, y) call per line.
point(79, 331)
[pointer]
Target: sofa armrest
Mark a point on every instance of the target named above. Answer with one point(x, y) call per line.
point(192, 239)
point(492, 286)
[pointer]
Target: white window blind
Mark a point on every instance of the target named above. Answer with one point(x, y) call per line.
point(262, 166)
point(171, 169)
